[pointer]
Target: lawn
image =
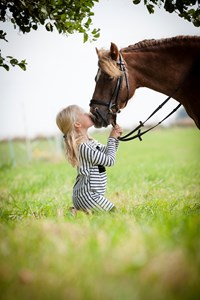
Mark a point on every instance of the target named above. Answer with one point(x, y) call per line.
point(148, 249)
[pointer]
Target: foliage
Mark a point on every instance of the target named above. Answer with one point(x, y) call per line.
point(69, 16)
point(9, 60)
point(186, 9)
point(66, 16)
point(148, 249)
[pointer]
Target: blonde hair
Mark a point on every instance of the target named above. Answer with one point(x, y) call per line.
point(65, 121)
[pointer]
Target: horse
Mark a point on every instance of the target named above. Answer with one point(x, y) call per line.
point(170, 66)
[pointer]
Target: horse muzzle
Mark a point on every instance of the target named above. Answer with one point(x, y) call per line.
point(98, 119)
point(103, 113)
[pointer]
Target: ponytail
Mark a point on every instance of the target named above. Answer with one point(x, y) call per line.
point(65, 120)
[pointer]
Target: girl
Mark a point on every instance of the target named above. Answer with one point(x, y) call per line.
point(89, 157)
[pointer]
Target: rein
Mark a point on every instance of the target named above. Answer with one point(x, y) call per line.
point(127, 137)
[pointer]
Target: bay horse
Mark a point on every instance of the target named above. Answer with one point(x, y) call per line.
point(170, 66)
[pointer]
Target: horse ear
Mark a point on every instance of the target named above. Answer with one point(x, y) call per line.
point(114, 52)
point(97, 51)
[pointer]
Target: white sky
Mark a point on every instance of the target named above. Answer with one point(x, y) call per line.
point(61, 69)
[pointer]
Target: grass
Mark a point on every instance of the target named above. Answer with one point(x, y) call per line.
point(148, 249)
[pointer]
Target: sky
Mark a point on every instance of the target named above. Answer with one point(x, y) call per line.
point(61, 69)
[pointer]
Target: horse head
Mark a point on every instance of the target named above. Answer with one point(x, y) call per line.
point(169, 66)
point(112, 87)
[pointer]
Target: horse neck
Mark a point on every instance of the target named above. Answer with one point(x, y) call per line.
point(158, 69)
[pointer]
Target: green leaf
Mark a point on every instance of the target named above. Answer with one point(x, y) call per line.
point(150, 8)
point(136, 1)
point(63, 17)
point(89, 21)
point(22, 66)
point(85, 37)
point(49, 27)
point(97, 35)
point(196, 23)
point(169, 6)
point(3, 35)
point(34, 27)
point(14, 61)
point(6, 67)
point(95, 31)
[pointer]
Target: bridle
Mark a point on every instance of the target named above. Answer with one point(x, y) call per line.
point(113, 104)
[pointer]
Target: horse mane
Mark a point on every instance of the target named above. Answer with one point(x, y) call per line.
point(107, 65)
point(110, 67)
point(146, 45)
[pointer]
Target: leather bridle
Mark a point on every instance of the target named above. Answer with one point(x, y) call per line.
point(113, 104)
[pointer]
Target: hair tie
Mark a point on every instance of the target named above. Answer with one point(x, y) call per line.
point(64, 136)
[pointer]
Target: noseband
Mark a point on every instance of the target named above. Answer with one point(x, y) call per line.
point(113, 105)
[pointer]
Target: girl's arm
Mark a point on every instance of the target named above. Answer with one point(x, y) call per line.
point(96, 157)
point(115, 133)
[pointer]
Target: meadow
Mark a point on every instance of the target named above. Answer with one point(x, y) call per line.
point(148, 249)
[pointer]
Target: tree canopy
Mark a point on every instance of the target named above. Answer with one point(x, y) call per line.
point(186, 9)
point(69, 16)
point(66, 16)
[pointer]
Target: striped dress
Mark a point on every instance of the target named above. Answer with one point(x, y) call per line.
point(89, 189)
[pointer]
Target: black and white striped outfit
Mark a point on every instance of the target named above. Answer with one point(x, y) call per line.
point(90, 186)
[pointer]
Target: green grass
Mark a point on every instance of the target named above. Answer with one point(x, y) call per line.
point(148, 249)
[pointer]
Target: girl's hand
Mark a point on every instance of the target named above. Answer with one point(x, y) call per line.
point(116, 131)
